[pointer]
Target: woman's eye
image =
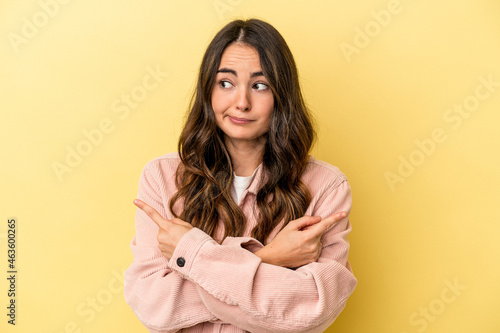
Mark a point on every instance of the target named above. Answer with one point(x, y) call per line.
point(261, 86)
point(225, 84)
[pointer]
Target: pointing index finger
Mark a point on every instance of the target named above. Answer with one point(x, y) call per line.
point(335, 218)
point(330, 221)
point(150, 211)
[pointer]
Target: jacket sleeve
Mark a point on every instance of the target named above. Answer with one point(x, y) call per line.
point(237, 287)
point(161, 298)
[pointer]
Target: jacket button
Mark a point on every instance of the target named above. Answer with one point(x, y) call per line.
point(181, 262)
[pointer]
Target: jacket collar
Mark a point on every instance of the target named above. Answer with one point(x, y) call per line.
point(256, 182)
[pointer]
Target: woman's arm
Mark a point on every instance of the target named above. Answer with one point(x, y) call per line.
point(237, 287)
point(227, 283)
point(299, 242)
point(161, 298)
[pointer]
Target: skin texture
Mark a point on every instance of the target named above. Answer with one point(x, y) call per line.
point(244, 95)
point(243, 104)
point(170, 232)
point(299, 242)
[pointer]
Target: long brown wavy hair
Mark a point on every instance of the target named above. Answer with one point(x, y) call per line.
point(205, 174)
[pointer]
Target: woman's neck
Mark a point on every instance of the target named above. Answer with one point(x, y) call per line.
point(246, 155)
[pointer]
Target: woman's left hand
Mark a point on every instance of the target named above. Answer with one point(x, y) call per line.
point(170, 232)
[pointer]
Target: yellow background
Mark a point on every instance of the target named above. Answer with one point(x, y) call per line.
point(437, 225)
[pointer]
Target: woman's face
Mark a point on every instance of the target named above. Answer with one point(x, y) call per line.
point(242, 99)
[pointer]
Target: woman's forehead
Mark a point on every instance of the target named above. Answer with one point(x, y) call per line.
point(240, 56)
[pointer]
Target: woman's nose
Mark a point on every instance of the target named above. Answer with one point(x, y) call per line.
point(243, 100)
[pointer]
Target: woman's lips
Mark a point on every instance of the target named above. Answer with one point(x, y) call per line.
point(240, 120)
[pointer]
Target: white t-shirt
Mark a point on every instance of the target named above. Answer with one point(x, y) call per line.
point(240, 184)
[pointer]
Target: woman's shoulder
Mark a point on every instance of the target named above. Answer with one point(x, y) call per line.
point(169, 157)
point(166, 163)
point(322, 173)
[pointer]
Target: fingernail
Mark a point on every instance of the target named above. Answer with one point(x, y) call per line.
point(343, 214)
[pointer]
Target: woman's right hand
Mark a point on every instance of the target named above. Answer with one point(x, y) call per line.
point(299, 242)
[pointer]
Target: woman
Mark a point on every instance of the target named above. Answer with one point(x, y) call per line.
point(237, 231)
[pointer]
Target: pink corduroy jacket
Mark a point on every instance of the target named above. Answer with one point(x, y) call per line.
point(215, 285)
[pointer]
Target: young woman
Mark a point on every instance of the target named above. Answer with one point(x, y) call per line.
point(242, 230)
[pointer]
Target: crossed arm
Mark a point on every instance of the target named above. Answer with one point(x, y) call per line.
point(298, 244)
point(228, 283)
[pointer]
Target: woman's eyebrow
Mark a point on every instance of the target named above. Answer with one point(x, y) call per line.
point(231, 71)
